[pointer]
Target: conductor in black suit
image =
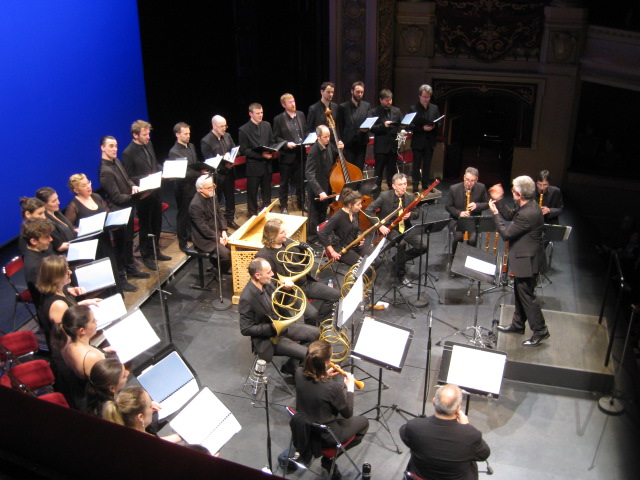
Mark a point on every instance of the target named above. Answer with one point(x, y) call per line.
point(385, 145)
point(526, 255)
point(321, 158)
point(317, 112)
point(257, 133)
point(551, 204)
point(255, 309)
point(445, 446)
point(457, 207)
point(350, 116)
point(423, 140)
point(289, 126)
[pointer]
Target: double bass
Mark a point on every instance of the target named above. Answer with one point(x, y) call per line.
point(342, 173)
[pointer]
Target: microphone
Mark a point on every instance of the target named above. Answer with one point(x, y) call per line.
point(258, 378)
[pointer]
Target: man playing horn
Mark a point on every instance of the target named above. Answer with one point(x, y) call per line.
point(274, 239)
point(256, 312)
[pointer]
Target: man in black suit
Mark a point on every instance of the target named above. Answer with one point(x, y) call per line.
point(317, 112)
point(350, 116)
point(209, 228)
point(139, 160)
point(526, 255)
point(424, 136)
point(289, 126)
point(184, 188)
point(255, 309)
point(383, 206)
point(385, 146)
point(120, 191)
point(445, 445)
point(219, 142)
point(321, 158)
point(257, 133)
point(549, 198)
point(457, 206)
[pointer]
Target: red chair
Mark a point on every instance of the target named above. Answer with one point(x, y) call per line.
point(18, 344)
point(55, 397)
point(23, 297)
point(411, 476)
point(28, 376)
point(331, 452)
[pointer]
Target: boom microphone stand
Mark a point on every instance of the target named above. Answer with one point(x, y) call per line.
point(162, 293)
point(222, 303)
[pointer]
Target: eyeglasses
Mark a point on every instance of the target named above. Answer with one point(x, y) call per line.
point(222, 126)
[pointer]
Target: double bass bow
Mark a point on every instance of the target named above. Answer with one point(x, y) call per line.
point(410, 207)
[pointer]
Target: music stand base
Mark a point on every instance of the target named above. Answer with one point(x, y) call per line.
point(611, 405)
point(221, 304)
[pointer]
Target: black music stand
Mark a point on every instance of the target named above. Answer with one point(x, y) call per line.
point(475, 264)
point(476, 224)
point(366, 186)
point(428, 229)
point(386, 345)
point(475, 370)
point(395, 286)
point(550, 235)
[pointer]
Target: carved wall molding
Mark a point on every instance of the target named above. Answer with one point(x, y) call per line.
point(353, 43)
point(386, 24)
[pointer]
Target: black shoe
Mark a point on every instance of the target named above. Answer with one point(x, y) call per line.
point(326, 464)
point(137, 274)
point(404, 282)
point(149, 263)
point(232, 224)
point(284, 211)
point(536, 340)
point(128, 287)
point(288, 368)
point(184, 247)
point(163, 258)
point(510, 329)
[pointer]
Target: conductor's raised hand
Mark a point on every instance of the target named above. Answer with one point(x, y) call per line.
point(496, 192)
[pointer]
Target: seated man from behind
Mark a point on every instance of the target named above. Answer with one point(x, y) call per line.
point(444, 445)
point(209, 227)
point(256, 313)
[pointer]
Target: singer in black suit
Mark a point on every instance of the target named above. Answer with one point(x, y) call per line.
point(350, 116)
point(385, 145)
point(316, 115)
point(321, 158)
point(219, 142)
point(526, 255)
point(383, 206)
point(204, 222)
point(552, 205)
point(456, 204)
point(289, 126)
point(445, 446)
point(423, 140)
point(257, 133)
point(256, 310)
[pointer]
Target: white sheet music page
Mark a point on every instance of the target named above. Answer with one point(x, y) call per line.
point(373, 334)
point(150, 182)
point(476, 369)
point(95, 275)
point(349, 304)
point(206, 421)
point(109, 310)
point(85, 250)
point(368, 122)
point(131, 336)
point(118, 217)
point(214, 161)
point(92, 224)
point(480, 265)
point(175, 168)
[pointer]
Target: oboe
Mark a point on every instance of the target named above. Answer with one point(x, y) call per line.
point(468, 194)
point(358, 383)
point(540, 201)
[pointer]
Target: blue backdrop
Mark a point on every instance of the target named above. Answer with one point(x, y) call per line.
point(70, 72)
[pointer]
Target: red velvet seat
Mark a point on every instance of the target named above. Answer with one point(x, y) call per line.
point(20, 343)
point(33, 375)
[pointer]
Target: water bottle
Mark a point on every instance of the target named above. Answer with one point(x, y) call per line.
point(366, 471)
point(330, 282)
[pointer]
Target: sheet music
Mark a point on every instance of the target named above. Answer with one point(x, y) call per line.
point(150, 182)
point(118, 218)
point(206, 421)
point(96, 275)
point(175, 168)
point(131, 336)
point(214, 161)
point(438, 119)
point(408, 118)
point(372, 257)
point(91, 225)
point(368, 122)
point(349, 304)
point(170, 383)
point(566, 234)
point(233, 154)
point(311, 139)
point(82, 250)
point(476, 369)
point(480, 265)
point(109, 310)
point(383, 342)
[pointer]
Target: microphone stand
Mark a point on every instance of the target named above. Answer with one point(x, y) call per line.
point(427, 373)
point(163, 293)
point(223, 304)
point(256, 382)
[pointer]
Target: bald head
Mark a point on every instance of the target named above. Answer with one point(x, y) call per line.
point(447, 400)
